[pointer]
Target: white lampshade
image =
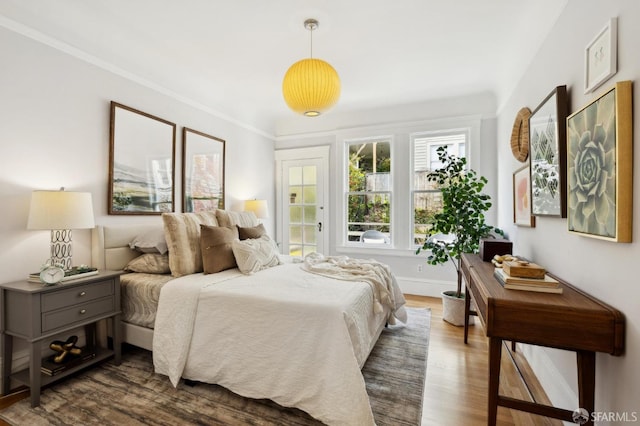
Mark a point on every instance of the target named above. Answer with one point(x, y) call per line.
point(258, 207)
point(60, 210)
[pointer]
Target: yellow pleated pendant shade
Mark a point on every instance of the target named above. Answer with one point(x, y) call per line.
point(311, 86)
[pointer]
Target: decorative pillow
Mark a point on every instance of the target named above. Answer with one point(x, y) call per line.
point(152, 241)
point(253, 232)
point(253, 255)
point(215, 243)
point(149, 263)
point(231, 219)
point(182, 231)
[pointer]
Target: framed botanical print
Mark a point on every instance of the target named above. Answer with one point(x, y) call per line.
point(141, 162)
point(202, 171)
point(522, 198)
point(548, 153)
point(600, 57)
point(600, 166)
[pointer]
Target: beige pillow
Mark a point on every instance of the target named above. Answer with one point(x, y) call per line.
point(231, 219)
point(253, 255)
point(149, 263)
point(215, 243)
point(152, 241)
point(253, 232)
point(182, 232)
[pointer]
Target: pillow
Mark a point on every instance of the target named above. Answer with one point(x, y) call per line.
point(215, 243)
point(253, 255)
point(149, 263)
point(254, 232)
point(231, 219)
point(152, 241)
point(182, 231)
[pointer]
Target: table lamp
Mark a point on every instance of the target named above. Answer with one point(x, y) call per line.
point(258, 207)
point(60, 212)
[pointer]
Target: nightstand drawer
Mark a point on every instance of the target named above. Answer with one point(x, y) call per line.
point(75, 295)
point(77, 313)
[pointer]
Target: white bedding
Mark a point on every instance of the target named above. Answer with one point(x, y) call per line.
point(294, 337)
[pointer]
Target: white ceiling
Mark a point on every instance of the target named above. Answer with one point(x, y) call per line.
point(230, 56)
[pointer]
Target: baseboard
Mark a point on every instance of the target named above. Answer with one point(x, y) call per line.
point(422, 287)
point(551, 379)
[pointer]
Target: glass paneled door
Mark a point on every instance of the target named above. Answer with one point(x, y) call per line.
point(303, 207)
point(302, 204)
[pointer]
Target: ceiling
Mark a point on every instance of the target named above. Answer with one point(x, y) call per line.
point(229, 57)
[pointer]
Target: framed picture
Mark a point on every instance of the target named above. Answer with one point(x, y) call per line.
point(600, 57)
point(141, 162)
point(522, 198)
point(548, 152)
point(202, 171)
point(600, 166)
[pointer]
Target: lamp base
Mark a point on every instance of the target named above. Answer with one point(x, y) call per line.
point(61, 248)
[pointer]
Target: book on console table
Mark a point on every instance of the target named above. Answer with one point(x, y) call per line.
point(74, 273)
point(541, 285)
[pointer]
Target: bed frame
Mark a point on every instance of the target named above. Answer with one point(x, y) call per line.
point(110, 251)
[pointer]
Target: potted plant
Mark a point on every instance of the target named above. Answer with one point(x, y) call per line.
point(460, 225)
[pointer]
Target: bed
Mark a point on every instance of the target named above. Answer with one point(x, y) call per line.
point(297, 333)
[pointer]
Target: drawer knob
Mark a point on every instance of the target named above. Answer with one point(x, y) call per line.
point(83, 293)
point(83, 311)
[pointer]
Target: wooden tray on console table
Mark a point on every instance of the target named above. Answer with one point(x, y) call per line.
point(573, 321)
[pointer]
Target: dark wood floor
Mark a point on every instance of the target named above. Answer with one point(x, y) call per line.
point(457, 377)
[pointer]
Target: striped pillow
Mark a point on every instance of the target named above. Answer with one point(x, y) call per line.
point(230, 219)
point(182, 232)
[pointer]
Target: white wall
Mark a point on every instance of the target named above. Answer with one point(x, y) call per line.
point(603, 269)
point(54, 131)
point(400, 122)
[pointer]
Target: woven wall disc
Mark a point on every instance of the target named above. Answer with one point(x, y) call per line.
point(520, 135)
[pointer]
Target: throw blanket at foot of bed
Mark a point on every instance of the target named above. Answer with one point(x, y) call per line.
point(284, 334)
point(386, 292)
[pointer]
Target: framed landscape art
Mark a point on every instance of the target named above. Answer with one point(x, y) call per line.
point(600, 166)
point(141, 162)
point(548, 153)
point(522, 198)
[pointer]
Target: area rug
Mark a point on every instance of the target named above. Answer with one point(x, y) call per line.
point(132, 394)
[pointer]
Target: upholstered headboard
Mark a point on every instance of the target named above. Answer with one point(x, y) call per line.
point(110, 245)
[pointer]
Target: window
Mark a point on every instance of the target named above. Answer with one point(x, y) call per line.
point(427, 199)
point(368, 196)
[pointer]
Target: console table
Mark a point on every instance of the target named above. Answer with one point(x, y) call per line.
point(573, 321)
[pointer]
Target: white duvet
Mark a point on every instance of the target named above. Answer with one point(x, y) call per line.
point(284, 334)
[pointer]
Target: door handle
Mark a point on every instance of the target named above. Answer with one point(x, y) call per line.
point(319, 226)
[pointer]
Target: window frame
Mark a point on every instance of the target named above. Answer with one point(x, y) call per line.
point(427, 134)
point(347, 142)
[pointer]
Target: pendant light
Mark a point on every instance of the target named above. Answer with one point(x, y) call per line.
point(311, 86)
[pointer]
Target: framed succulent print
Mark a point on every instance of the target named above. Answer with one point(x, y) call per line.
point(600, 166)
point(522, 198)
point(548, 153)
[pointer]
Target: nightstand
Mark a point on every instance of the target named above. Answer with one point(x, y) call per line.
point(38, 314)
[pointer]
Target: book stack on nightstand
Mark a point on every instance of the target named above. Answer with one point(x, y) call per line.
point(51, 368)
point(526, 276)
point(74, 273)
